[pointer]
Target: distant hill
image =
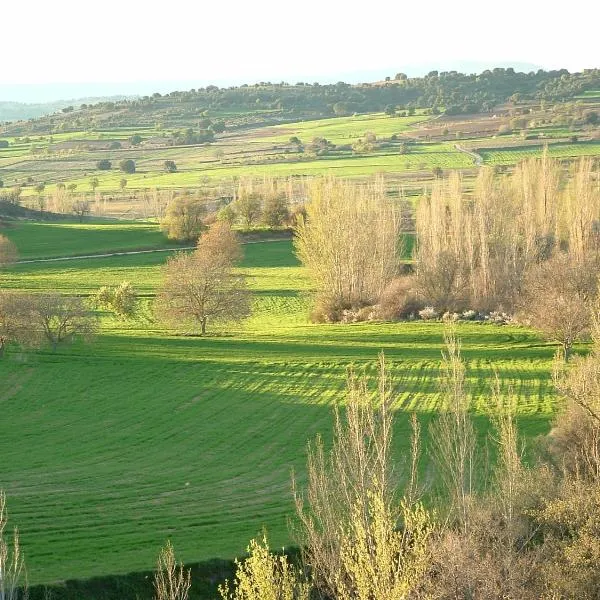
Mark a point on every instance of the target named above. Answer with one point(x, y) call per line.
point(18, 111)
point(449, 92)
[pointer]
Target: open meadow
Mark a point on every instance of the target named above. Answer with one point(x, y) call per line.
point(110, 448)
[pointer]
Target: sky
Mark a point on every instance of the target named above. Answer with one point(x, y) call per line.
point(125, 45)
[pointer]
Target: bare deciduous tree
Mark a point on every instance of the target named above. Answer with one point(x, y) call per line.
point(203, 286)
point(452, 436)
point(350, 241)
point(558, 298)
point(13, 581)
point(171, 580)
point(34, 319)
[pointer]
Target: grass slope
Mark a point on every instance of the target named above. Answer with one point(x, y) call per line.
point(110, 449)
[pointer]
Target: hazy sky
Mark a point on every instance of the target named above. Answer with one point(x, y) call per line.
point(234, 41)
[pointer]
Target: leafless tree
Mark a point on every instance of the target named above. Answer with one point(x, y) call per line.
point(558, 298)
point(203, 286)
point(34, 319)
point(349, 241)
point(171, 580)
point(13, 581)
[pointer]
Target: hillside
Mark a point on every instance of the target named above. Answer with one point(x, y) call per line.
point(265, 102)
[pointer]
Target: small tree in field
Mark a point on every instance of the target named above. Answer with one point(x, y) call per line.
point(248, 206)
point(202, 286)
point(81, 208)
point(57, 318)
point(8, 251)
point(275, 210)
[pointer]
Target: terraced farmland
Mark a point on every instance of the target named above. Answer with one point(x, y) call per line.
point(111, 448)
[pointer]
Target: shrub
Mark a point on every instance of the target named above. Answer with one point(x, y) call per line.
point(428, 313)
point(122, 300)
point(398, 300)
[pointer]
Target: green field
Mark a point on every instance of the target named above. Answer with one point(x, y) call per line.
point(111, 448)
point(508, 156)
point(342, 130)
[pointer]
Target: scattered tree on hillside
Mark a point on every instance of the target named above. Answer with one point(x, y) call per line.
point(36, 319)
point(94, 183)
point(227, 214)
point(202, 286)
point(104, 165)
point(275, 211)
point(58, 318)
point(183, 220)
point(558, 299)
point(127, 166)
point(170, 166)
point(122, 184)
point(135, 140)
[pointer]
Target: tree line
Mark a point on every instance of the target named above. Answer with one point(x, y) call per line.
point(448, 91)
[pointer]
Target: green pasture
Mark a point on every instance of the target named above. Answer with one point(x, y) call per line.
point(111, 448)
point(48, 240)
point(344, 130)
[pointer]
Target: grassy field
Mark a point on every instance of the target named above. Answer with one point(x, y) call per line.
point(508, 156)
point(45, 240)
point(342, 130)
point(109, 449)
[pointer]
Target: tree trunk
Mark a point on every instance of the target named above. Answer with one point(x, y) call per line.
point(203, 326)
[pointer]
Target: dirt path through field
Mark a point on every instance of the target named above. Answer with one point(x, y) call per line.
point(477, 158)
